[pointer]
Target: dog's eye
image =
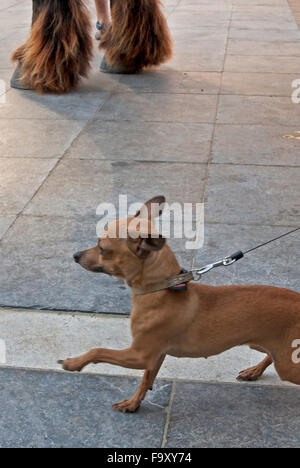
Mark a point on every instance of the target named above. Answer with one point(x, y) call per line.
point(101, 250)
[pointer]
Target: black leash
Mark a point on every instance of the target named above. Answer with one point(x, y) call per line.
point(227, 261)
point(273, 240)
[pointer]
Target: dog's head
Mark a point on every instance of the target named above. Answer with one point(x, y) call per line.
point(126, 244)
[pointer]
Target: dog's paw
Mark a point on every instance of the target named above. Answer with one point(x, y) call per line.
point(71, 365)
point(130, 405)
point(250, 375)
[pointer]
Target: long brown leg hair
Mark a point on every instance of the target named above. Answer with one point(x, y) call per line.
point(138, 36)
point(58, 50)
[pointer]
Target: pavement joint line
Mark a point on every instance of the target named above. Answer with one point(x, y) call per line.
point(10, 6)
point(168, 418)
point(67, 311)
point(73, 313)
point(210, 155)
point(173, 8)
point(207, 222)
point(258, 72)
point(216, 163)
point(269, 55)
point(158, 379)
point(174, 70)
point(206, 122)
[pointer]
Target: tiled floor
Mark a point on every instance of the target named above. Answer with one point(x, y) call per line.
point(216, 124)
point(210, 125)
point(55, 410)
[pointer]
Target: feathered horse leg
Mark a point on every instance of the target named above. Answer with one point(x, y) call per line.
point(137, 38)
point(59, 48)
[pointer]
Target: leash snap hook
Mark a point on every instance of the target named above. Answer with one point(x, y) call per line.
point(206, 269)
point(227, 261)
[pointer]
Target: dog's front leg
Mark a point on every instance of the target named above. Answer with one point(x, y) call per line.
point(130, 358)
point(132, 404)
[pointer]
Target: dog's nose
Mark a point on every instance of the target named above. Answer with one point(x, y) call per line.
point(77, 256)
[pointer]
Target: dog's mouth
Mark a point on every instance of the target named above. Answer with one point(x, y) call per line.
point(100, 269)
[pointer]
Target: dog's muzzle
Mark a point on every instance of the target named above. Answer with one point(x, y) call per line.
point(77, 256)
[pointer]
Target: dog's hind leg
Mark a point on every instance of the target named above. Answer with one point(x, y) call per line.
point(253, 373)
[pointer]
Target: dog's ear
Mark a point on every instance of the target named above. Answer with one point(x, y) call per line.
point(152, 208)
point(142, 247)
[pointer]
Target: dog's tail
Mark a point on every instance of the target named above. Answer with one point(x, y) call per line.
point(59, 48)
point(138, 36)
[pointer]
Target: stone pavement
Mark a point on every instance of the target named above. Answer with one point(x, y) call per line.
point(209, 126)
point(51, 409)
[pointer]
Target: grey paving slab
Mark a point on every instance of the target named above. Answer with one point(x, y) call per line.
point(233, 416)
point(5, 61)
point(5, 75)
point(281, 3)
point(31, 138)
point(15, 189)
point(143, 141)
point(276, 264)
point(30, 105)
point(171, 82)
point(245, 47)
point(253, 195)
point(258, 84)
point(265, 34)
point(5, 222)
point(170, 2)
point(197, 44)
point(263, 23)
point(219, 6)
point(262, 64)
point(199, 36)
point(195, 61)
point(8, 3)
point(38, 270)
point(77, 187)
point(199, 50)
point(159, 108)
point(258, 110)
point(258, 12)
point(56, 410)
point(194, 19)
point(21, 17)
point(256, 144)
point(195, 2)
point(14, 35)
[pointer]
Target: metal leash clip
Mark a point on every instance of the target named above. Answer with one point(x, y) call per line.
point(227, 261)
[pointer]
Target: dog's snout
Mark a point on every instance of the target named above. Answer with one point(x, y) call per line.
point(77, 256)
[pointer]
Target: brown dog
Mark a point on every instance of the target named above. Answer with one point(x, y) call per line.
point(198, 322)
